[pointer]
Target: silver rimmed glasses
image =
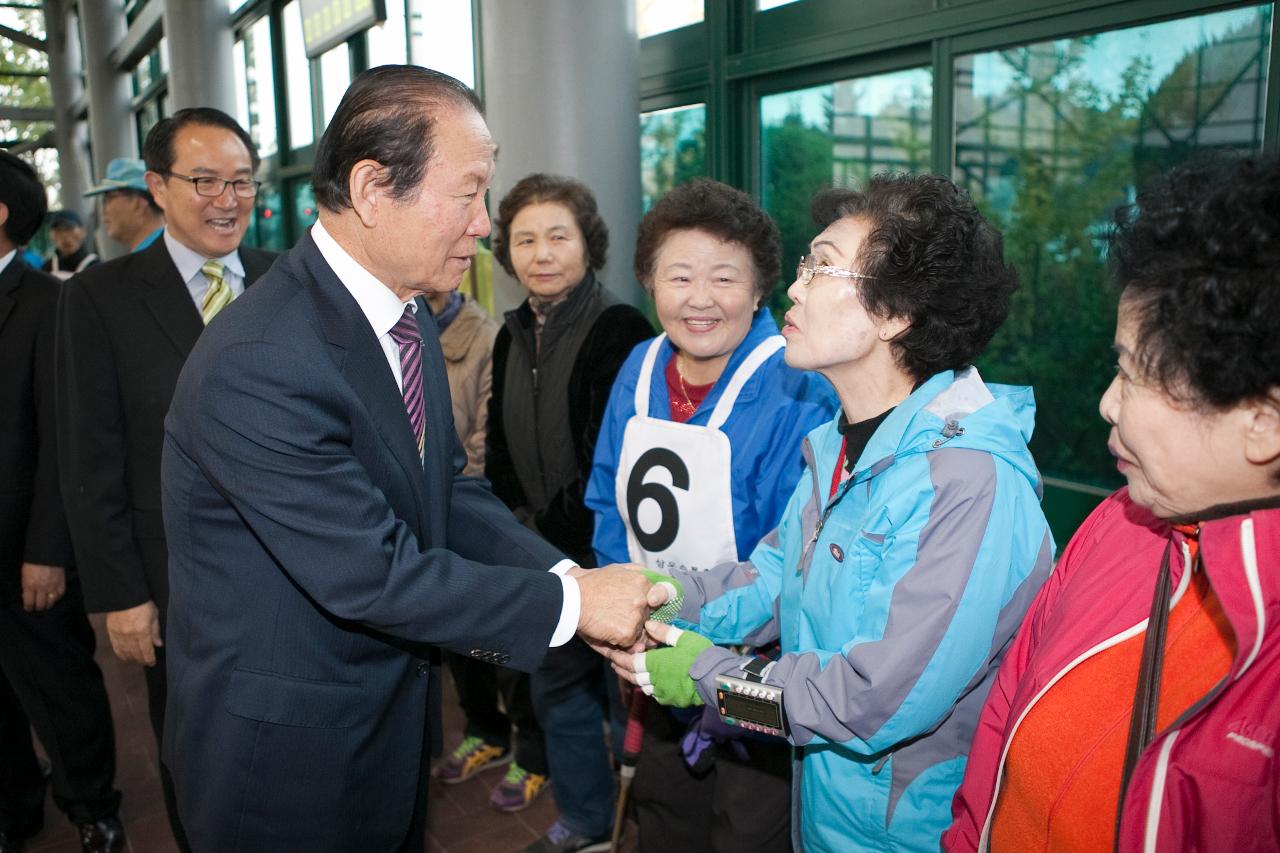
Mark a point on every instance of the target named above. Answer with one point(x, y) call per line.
point(809, 267)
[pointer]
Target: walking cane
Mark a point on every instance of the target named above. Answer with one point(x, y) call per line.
point(630, 755)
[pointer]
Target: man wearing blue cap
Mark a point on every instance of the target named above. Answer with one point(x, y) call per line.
point(130, 215)
point(70, 256)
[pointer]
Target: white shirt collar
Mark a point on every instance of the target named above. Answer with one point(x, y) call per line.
point(382, 308)
point(7, 259)
point(189, 261)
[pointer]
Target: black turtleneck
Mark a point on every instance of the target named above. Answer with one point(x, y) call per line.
point(857, 435)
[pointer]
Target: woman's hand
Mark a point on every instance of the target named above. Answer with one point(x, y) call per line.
point(663, 673)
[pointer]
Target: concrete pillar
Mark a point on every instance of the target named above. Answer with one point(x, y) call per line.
point(65, 87)
point(561, 87)
point(102, 26)
point(201, 48)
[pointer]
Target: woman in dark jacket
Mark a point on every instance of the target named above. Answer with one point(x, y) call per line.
point(554, 363)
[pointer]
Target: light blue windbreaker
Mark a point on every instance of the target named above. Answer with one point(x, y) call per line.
point(894, 602)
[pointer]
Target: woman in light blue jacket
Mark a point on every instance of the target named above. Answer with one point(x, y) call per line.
point(910, 548)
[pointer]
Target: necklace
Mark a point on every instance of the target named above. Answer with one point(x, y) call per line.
point(687, 408)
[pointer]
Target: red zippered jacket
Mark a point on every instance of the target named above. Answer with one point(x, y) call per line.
point(1208, 782)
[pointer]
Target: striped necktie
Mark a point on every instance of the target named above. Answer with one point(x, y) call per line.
point(407, 337)
point(218, 296)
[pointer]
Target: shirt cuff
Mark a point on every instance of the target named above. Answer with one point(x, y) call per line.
point(572, 607)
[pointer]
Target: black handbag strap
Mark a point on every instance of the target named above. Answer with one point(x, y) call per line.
point(1146, 700)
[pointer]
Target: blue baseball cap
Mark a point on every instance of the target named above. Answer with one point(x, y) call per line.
point(123, 173)
point(63, 218)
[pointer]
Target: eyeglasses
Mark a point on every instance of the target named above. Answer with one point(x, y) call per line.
point(809, 267)
point(211, 187)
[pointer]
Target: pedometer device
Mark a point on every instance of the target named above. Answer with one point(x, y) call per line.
point(749, 703)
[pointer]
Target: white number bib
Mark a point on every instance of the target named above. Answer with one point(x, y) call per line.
point(673, 486)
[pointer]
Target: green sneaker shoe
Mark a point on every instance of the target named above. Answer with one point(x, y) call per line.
point(470, 757)
point(518, 789)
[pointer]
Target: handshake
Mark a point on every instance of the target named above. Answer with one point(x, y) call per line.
point(616, 601)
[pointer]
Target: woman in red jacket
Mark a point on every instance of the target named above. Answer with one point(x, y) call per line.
point(1136, 708)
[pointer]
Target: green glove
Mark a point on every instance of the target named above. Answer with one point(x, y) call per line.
point(666, 670)
point(669, 611)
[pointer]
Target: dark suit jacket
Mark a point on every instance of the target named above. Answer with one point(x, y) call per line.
point(312, 558)
point(125, 328)
point(33, 528)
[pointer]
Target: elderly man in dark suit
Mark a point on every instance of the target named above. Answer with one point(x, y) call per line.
point(48, 678)
point(125, 328)
point(324, 541)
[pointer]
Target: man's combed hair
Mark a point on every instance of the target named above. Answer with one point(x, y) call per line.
point(934, 261)
point(540, 188)
point(388, 115)
point(720, 210)
point(21, 192)
point(157, 149)
point(1197, 258)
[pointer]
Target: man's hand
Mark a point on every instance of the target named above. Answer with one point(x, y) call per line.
point(615, 602)
point(135, 633)
point(42, 586)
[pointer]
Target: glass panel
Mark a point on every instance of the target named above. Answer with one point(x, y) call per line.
point(839, 133)
point(673, 148)
point(389, 41)
point(765, 5)
point(660, 16)
point(238, 63)
point(1050, 138)
point(147, 117)
point(297, 78)
point(440, 37)
point(268, 224)
point(305, 211)
point(259, 91)
point(335, 76)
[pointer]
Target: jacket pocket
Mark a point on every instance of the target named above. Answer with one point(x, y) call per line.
point(272, 698)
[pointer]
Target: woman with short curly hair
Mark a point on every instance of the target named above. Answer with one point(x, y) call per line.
point(1137, 707)
point(912, 543)
point(554, 360)
point(711, 407)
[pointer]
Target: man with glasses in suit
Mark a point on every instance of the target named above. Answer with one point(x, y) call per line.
point(125, 329)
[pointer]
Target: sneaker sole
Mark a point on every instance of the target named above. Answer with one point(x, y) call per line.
point(492, 765)
point(598, 847)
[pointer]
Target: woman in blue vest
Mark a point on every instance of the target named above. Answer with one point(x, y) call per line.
point(699, 449)
point(912, 545)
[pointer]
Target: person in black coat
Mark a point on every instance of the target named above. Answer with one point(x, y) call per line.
point(48, 678)
point(125, 329)
point(554, 362)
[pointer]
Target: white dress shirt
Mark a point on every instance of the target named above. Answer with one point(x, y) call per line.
point(383, 309)
point(4, 261)
point(189, 263)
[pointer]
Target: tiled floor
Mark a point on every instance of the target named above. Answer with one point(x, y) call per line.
point(459, 820)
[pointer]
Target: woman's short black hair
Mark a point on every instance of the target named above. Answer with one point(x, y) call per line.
point(539, 188)
point(1197, 257)
point(934, 261)
point(157, 148)
point(388, 114)
point(720, 210)
point(21, 192)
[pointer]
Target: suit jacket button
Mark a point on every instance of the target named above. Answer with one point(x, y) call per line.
point(424, 669)
point(476, 653)
point(503, 659)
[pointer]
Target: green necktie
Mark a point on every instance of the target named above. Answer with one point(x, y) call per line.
point(218, 296)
